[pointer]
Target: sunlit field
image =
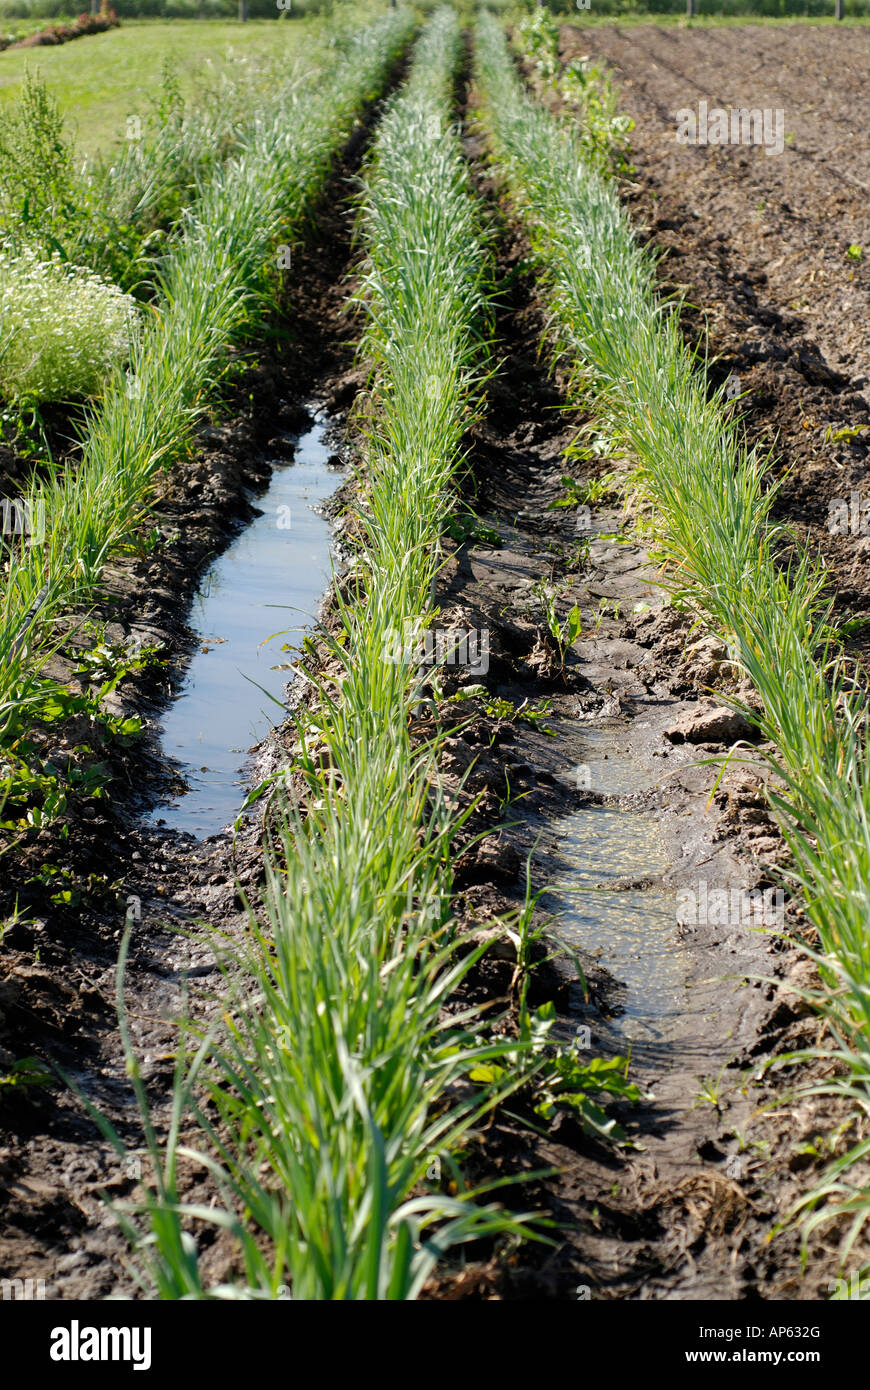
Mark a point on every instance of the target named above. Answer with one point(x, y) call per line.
point(434, 713)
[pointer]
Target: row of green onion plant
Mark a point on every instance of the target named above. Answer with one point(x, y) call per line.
point(216, 281)
point(727, 559)
point(337, 1079)
point(123, 205)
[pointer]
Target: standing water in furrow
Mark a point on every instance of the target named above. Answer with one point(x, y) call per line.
point(253, 605)
point(608, 866)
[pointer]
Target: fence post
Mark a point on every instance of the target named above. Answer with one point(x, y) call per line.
point(690, 8)
point(838, 9)
point(243, 10)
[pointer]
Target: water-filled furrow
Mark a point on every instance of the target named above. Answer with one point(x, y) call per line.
point(608, 869)
point(251, 609)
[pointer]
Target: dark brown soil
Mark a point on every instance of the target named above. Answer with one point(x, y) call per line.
point(54, 34)
point(759, 246)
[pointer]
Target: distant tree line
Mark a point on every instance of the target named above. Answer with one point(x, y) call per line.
point(159, 9)
point(269, 9)
point(767, 9)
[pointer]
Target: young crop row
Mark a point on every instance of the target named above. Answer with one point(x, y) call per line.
point(336, 1077)
point(214, 283)
point(729, 563)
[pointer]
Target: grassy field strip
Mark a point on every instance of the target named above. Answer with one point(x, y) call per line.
point(337, 1079)
point(214, 284)
point(732, 565)
point(101, 82)
point(110, 214)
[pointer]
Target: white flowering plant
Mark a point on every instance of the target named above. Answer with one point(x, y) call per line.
point(62, 328)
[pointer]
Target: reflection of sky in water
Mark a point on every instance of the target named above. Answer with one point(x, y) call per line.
point(633, 932)
point(617, 773)
point(219, 713)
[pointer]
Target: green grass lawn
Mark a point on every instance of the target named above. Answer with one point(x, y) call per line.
point(102, 79)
